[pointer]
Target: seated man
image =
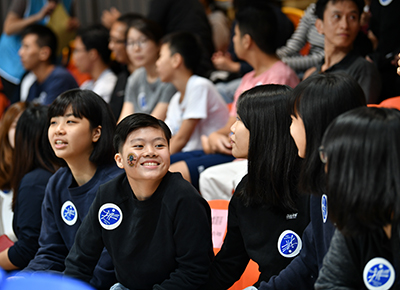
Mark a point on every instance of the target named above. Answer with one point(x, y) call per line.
point(145, 217)
point(339, 22)
point(92, 56)
point(38, 54)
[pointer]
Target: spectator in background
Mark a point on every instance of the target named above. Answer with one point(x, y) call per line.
point(339, 21)
point(21, 14)
point(38, 55)
point(145, 92)
point(385, 30)
point(7, 140)
point(306, 32)
point(219, 25)
point(92, 55)
point(117, 45)
point(34, 162)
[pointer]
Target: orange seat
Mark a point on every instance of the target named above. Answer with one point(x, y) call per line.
point(4, 102)
point(219, 216)
point(294, 15)
point(388, 103)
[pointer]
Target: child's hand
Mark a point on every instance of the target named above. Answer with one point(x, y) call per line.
point(398, 63)
point(109, 17)
point(224, 62)
point(220, 143)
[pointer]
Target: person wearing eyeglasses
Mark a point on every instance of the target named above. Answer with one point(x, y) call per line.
point(91, 55)
point(145, 92)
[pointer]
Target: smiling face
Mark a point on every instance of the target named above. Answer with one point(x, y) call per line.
point(240, 139)
point(145, 155)
point(71, 137)
point(340, 25)
point(298, 132)
point(117, 42)
point(141, 50)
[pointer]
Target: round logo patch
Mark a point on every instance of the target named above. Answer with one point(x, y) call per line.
point(324, 208)
point(110, 216)
point(69, 214)
point(289, 244)
point(385, 2)
point(379, 274)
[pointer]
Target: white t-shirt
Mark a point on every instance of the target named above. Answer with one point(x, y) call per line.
point(201, 101)
point(103, 86)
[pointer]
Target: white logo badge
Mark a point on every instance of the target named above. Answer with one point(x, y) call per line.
point(289, 244)
point(324, 208)
point(379, 274)
point(110, 216)
point(69, 214)
point(385, 2)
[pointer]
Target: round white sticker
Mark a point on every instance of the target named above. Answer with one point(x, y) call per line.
point(324, 208)
point(69, 214)
point(385, 2)
point(379, 274)
point(110, 216)
point(289, 244)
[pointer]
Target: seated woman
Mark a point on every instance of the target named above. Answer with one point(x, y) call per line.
point(360, 150)
point(33, 164)
point(145, 92)
point(267, 215)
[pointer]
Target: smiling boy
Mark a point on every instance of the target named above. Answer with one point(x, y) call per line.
point(154, 224)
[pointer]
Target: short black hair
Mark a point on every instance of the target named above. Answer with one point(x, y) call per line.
point(188, 46)
point(96, 37)
point(318, 100)
point(321, 6)
point(273, 162)
point(134, 122)
point(363, 169)
point(88, 104)
point(45, 37)
point(149, 28)
point(260, 24)
point(127, 18)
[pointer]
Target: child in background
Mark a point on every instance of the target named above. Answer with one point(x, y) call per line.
point(267, 214)
point(7, 137)
point(154, 224)
point(81, 127)
point(145, 92)
point(197, 108)
point(33, 164)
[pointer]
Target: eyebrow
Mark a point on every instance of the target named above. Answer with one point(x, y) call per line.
point(142, 139)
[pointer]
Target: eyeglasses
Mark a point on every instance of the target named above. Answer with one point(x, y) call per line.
point(141, 43)
point(118, 41)
point(322, 154)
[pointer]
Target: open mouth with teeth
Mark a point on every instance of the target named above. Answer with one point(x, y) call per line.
point(59, 142)
point(150, 164)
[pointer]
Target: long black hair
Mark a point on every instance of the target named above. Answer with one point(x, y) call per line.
point(272, 154)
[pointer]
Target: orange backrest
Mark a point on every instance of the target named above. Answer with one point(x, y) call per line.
point(294, 14)
point(388, 103)
point(219, 215)
point(4, 102)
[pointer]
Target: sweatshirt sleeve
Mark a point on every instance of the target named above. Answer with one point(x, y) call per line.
point(231, 261)
point(88, 246)
point(52, 251)
point(193, 244)
point(28, 223)
point(302, 272)
point(338, 270)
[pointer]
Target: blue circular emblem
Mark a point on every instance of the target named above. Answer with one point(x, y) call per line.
point(289, 244)
point(69, 214)
point(324, 208)
point(385, 2)
point(110, 216)
point(378, 274)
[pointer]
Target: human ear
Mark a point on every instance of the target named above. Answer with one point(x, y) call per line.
point(96, 134)
point(176, 60)
point(246, 41)
point(44, 53)
point(319, 24)
point(118, 160)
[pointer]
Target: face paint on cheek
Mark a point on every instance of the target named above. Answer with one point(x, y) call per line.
point(131, 159)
